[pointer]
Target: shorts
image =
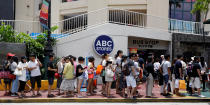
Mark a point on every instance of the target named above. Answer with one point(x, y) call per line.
point(130, 80)
point(195, 82)
point(37, 80)
point(156, 75)
point(80, 77)
point(166, 78)
point(176, 83)
point(51, 80)
point(90, 76)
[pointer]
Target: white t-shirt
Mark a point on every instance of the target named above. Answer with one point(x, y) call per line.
point(136, 65)
point(165, 67)
point(203, 69)
point(13, 66)
point(34, 72)
point(156, 66)
point(118, 62)
point(22, 66)
point(60, 67)
point(104, 63)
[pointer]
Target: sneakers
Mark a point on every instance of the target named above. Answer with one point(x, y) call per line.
point(201, 96)
point(14, 95)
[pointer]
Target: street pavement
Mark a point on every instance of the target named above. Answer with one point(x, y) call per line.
point(106, 103)
point(141, 89)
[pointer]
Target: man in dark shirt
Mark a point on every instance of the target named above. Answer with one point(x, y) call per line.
point(196, 77)
point(51, 66)
point(178, 73)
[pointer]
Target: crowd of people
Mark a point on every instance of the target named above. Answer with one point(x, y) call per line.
point(127, 71)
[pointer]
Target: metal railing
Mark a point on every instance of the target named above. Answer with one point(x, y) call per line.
point(187, 27)
point(24, 26)
point(107, 15)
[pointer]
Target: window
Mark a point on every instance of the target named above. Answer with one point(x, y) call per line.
point(182, 11)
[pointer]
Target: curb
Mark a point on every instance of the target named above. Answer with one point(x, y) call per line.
point(94, 100)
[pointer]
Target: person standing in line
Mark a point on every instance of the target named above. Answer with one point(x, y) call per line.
point(79, 74)
point(75, 67)
point(178, 74)
point(108, 78)
point(150, 79)
point(204, 67)
point(15, 82)
point(166, 74)
point(196, 77)
point(161, 84)
point(23, 67)
point(173, 76)
point(130, 78)
point(123, 84)
point(189, 75)
point(137, 72)
point(91, 69)
point(118, 58)
point(103, 63)
point(51, 69)
point(157, 69)
point(34, 66)
point(60, 66)
point(7, 69)
point(67, 84)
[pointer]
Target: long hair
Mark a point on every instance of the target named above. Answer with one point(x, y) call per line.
point(15, 59)
point(118, 53)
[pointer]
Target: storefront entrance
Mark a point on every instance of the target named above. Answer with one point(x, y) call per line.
point(147, 47)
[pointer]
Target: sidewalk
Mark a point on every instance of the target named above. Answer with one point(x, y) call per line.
point(100, 98)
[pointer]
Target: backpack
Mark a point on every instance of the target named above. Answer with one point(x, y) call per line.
point(190, 69)
point(125, 70)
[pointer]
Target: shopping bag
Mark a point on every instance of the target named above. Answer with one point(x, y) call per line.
point(182, 84)
point(99, 69)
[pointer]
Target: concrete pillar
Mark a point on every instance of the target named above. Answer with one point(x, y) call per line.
point(157, 11)
point(55, 14)
point(100, 16)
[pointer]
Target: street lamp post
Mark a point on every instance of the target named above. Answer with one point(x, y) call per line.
point(48, 48)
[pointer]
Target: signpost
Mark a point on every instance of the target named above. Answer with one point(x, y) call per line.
point(103, 44)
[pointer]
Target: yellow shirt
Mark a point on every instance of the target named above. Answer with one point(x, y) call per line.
point(68, 71)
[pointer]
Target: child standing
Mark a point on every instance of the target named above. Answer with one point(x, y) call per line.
point(90, 76)
point(79, 74)
point(68, 78)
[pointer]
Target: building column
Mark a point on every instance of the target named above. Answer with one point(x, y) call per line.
point(98, 16)
point(55, 14)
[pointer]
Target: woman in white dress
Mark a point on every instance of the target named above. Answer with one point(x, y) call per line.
point(109, 74)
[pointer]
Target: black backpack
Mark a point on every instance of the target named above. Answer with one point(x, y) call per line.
point(125, 70)
point(190, 69)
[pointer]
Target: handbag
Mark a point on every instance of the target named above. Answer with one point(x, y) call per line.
point(18, 72)
point(182, 84)
point(4, 74)
point(109, 73)
point(99, 69)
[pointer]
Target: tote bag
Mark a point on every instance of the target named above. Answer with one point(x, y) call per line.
point(182, 84)
point(18, 72)
point(109, 73)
